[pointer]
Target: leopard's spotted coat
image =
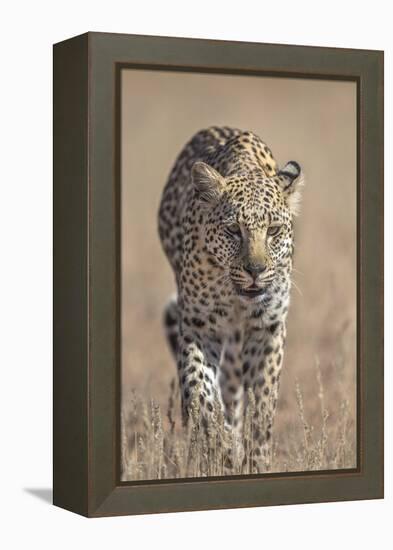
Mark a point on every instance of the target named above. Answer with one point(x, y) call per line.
point(226, 226)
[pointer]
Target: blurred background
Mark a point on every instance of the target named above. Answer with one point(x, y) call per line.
point(310, 121)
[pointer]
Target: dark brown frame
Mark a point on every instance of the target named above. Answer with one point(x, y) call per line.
point(86, 273)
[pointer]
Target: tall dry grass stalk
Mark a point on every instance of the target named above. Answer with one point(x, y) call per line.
point(157, 446)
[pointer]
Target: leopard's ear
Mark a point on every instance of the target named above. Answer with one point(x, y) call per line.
point(291, 179)
point(208, 183)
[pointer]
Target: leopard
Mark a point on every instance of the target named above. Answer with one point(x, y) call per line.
point(226, 225)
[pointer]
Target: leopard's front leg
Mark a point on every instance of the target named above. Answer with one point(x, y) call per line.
point(262, 362)
point(198, 368)
point(199, 371)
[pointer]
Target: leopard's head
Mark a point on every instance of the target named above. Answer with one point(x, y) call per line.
point(248, 226)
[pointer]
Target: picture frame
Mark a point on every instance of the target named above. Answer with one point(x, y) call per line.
point(86, 384)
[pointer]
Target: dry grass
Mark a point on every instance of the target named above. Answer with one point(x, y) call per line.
point(155, 444)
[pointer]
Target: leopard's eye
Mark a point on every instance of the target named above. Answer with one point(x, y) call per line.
point(274, 230)
point(234, 229)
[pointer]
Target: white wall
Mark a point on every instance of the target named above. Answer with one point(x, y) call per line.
point(27, 31)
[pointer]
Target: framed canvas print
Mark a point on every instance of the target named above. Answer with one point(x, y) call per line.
point(218, 274)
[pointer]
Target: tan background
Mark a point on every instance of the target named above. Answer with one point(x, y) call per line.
point(310, 121)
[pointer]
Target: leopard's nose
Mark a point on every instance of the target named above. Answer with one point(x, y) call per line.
point(254, 269)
